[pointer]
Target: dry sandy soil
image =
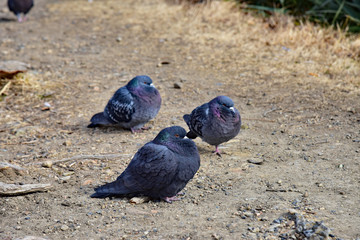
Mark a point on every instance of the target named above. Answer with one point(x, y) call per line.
point(297, 89)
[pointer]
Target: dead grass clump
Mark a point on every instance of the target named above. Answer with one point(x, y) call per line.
point(26, 86)
point(276, 30)
point(286, 31)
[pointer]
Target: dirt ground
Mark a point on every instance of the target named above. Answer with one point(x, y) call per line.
point(297, 89)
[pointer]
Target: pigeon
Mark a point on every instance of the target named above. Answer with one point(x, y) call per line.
point(20, 6)
point(160, 169)
point(214, 122)
point(131, 106)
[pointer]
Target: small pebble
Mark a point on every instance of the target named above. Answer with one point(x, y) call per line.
point(47, 164)
point(256, 161)
point(177, 85)
point(244, 126)
point(64, 179)
point(254, 229)
point(248, 214)
point(216, 236)
point(139, 200)
point(64, 227)
point(293, 211)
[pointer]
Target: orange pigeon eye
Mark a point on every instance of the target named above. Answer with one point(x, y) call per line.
point(176, 135)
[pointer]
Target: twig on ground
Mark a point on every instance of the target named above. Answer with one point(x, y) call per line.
point(276, 190)
point(274, 108)
point(81, 157)
point(9, 165)
point(259, 119)
point(13, 189)
point(7, 85)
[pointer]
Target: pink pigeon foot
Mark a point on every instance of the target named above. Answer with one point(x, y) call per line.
point(171, 199)
point(139, 130)
point(217, 151)
point(19, 18)
point(135, 130)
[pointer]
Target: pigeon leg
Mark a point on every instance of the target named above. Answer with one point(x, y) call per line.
point(217, 151)
point(135, 130)
point(171, 199)
point(145, 128)
point(139, 130)
point(19, 17)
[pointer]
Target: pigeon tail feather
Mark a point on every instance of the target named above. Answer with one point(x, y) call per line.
point(98, 119)
point(109, 189)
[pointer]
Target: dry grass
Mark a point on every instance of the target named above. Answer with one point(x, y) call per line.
point(277, 30)
point(331, 52)
point(223, 21)
point(25, 84)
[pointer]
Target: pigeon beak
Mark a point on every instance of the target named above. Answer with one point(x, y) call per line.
point(232, 109)
point(152, 85)
point(186, 137)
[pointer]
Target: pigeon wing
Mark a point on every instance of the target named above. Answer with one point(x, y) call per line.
point(120, 107)
point(11, 5)
point(152, 169)
point(198, 118)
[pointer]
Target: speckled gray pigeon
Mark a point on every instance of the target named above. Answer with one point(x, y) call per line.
point(160, 169)
point(19, 7)
point(214, 122)
point(131, 106)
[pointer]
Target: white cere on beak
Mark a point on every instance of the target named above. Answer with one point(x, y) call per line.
point(186, 137)
point(152, 85)
point(232, 109)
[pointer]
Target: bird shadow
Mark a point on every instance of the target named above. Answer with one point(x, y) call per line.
point(109, 129)
point(6, 19)
point(210, 153)
point(203, 150)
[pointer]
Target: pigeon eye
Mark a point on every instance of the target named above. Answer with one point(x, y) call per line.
point(176, 135)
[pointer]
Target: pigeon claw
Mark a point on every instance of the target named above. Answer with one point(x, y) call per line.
point(217, 151)
point(171, 199)
point(139, 130)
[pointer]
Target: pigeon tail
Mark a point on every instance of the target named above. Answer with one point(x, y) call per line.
point(109, 189)
point(98, 119)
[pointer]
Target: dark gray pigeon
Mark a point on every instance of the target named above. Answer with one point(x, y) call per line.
point(214, 122)
point(160, 169)
point(19, 7)
point(131, 106)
